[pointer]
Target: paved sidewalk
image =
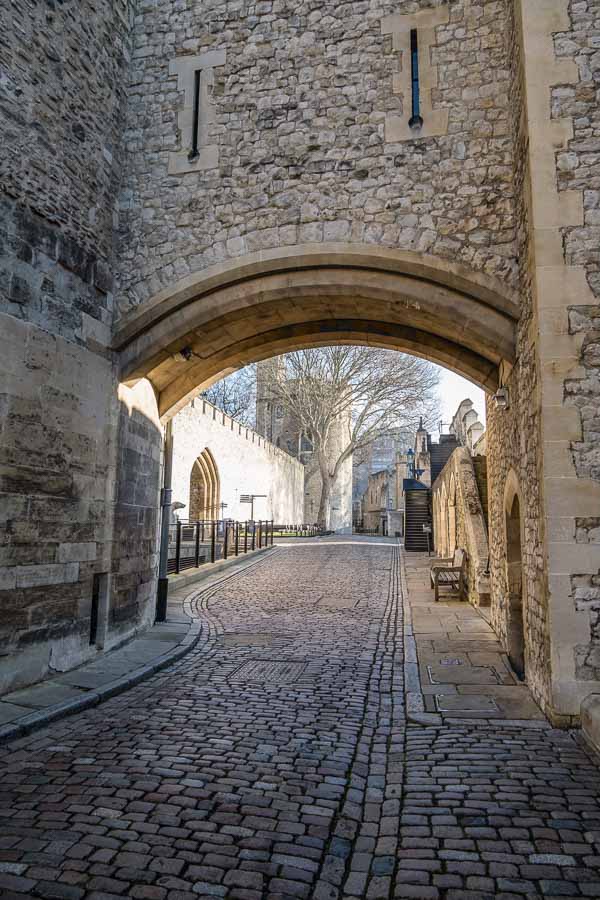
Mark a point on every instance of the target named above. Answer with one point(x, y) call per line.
point(461, 670)
point(27, 709)
point(276, 761)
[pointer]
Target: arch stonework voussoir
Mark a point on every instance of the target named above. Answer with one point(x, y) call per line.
point(267, 303)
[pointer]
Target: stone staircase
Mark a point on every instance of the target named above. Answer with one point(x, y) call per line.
point(441, 453)
point(417, 512)
point(418, 502)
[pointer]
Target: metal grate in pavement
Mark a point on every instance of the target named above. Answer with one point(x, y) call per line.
point(465, 703)
point(274, 671)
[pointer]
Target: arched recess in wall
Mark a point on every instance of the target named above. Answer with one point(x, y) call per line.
point(205, 488)
point(452, 516)
point(515, 583)
point(211, 323)
point(443, 520)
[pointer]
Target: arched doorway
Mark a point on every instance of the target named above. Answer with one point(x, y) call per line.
point(205, 488)
point(515, 634)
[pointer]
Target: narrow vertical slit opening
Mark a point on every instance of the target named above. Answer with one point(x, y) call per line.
point(416, 120)
point(94, 609)
point(99, 609)
point(194, 152)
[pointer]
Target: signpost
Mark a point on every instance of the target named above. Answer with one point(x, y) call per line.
point(250, 498)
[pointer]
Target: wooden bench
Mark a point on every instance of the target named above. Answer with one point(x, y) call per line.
point(449, 573)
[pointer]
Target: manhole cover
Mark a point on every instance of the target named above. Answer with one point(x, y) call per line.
point(465, 703)
point(463, 675)
point(269, 670)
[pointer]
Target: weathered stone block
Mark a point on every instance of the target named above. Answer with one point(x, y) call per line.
point(73, 257)
point(53, 573)
point(8, 578)
point(83, 552)
point(20, 290)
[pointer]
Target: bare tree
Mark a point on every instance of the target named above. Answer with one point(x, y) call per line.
point(366, 392)
point(236, 395)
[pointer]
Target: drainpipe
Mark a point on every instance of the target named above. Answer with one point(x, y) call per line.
point(166, 499)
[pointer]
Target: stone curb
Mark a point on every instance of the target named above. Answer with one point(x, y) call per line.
point(414, 698)
point(40, 718)
point(590, 721)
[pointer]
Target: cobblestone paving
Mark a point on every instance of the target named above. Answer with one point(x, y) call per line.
point(275, 761)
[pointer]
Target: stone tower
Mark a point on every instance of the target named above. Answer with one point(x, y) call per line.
point(422, 458)
point(269, 416)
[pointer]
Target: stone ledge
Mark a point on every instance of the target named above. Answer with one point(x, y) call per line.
point(179, 615)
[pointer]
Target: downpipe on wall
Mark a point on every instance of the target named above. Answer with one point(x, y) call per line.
point(166, 502)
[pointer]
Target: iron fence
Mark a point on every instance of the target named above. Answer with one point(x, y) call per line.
point(192, 544)
point(287, 531)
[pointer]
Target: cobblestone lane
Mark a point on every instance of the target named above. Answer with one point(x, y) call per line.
point(275, 761)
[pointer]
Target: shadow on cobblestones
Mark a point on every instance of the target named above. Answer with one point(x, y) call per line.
point(275, 761)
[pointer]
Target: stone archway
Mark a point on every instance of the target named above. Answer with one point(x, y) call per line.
point(205, 488)
point(209, 324)
point(515, 583)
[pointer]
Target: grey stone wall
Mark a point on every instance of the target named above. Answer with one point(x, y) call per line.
point(299, 111)
point(62, 85)
point(513, 435)
point(457, 485)
point(54, 514)
point(135, 507)
point(64, 68)
point(578, 169)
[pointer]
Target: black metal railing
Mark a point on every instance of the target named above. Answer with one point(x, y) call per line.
point(287, 531)
point(192, 544)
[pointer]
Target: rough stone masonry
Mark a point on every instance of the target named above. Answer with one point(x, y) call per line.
point(127, 235)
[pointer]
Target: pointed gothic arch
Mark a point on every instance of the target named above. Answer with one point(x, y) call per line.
point(205, 488)
point(451, 507)
point(515, 583)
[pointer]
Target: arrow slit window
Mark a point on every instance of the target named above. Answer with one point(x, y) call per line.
point(194, 154)
point(416, 120)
